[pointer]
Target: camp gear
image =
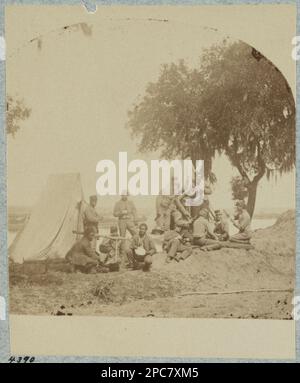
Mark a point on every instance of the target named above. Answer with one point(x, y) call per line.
point(140, 251)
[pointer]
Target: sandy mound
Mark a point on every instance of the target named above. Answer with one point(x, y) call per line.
point(274, 249)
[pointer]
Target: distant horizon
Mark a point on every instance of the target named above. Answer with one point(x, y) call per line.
point(275, 210)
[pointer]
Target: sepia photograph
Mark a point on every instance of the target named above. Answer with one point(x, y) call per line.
point(97, 105)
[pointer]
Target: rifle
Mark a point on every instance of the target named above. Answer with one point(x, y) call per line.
point(99, 235)
point(212, 213)
point(231, 219)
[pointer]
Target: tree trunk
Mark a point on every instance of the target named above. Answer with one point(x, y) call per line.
point(252, 189)
point(194, 210)
point(196, 155)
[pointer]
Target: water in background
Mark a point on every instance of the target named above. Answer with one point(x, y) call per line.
point(255, 224)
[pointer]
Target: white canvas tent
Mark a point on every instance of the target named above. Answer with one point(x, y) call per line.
point(48, 232)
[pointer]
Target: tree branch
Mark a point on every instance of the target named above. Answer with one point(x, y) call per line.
point(237, 163)
point(261, 164)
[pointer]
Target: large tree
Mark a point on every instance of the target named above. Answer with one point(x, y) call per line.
point(237, 102)
point(170, 118)
point(250, 103)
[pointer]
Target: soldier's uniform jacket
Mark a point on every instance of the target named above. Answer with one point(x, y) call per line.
point(91, 217)
point(146, 242)
point(221, 227)
point(202, 228)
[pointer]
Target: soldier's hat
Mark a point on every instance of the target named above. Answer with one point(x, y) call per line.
point(240, 203)
point(89, 229)
point(204, 212)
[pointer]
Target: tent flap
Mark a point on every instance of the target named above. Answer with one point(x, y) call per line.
point(49, 230)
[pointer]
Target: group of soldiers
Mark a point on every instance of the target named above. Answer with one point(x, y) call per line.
point(181, 231)
point(114, 249)
point(208, 229)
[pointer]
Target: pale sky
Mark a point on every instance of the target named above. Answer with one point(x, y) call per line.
point(80, 88)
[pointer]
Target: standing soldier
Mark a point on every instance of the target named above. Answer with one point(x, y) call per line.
point(126, 212)
point(164, 207)
point(91, 218)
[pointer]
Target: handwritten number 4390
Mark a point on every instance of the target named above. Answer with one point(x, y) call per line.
point(21, 359)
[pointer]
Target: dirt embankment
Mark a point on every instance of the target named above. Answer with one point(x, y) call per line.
point(225, 283)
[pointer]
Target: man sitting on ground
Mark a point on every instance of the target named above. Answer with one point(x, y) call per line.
point(141, 249)
point(81, 255)
point(221, 226)
point(111, 248)
point(178, 246)
point(203, 234)
point(242, 221)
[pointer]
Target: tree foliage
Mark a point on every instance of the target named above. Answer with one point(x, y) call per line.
point(170, 117)
point(250, 104)
point(238, 188)
point(236, 102)
point(251, 107)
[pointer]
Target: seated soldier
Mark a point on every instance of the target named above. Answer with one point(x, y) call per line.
point(81, 255)
point(169, 236)
point(141, 249)
point(164, 208)
point(179, 246)
point(221, 226)
point(111, 248)
point(203, 234)
point(242, 221)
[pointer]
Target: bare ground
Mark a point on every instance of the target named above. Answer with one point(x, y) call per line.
point(217, 284)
